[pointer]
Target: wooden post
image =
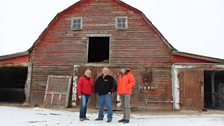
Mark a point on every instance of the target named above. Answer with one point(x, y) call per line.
point(213, 88)
point(28, 83)
point(74, 86)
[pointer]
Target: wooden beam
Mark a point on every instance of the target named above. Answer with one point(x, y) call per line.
point(213, 88)
point(28, 83)
point(74, 84)
point(13, 64)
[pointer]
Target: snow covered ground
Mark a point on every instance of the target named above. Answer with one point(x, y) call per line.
point(11, 116)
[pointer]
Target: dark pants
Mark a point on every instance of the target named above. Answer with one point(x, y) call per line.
point(102, 100)
point(83, 105)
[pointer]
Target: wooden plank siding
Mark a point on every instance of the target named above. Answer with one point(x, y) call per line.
point(39, 79)
point(59, 48)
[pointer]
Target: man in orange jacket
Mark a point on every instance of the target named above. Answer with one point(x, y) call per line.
point(126, 82)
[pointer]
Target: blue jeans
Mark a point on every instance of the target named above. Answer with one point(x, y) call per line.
point(83, 105)
point(102, 100)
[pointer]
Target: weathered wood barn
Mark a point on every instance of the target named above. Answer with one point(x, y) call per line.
point(97, 33)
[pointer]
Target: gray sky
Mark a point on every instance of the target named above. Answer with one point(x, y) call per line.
point(193, 26)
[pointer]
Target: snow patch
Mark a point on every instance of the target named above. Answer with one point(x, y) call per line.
point(10, 116)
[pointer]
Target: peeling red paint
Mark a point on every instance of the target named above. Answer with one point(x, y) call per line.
point(20, 59)
point(182, 59)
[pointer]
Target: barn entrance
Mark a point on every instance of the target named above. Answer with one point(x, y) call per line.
point(214, 89)
point(12, 83)
point(98, 50)
point(198, 86)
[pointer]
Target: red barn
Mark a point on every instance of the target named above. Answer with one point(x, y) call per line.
point(97, 33)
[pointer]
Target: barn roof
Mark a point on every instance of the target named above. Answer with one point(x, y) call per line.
point(200, 57)
point(148, 21)
point(116, 1)
point(19, 59)
point(14, 55)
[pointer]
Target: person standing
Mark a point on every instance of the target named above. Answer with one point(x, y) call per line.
point(126, 82)
point(104, 86)
point(85, 89)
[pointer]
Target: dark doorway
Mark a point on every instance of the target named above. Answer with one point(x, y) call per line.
point(12, 83)
point(98, 50)
point(214, 89)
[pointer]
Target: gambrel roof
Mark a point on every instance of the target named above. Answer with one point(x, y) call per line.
point(118, 2)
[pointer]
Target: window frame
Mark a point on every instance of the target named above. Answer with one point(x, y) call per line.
point(72, 23)
point(126, 22)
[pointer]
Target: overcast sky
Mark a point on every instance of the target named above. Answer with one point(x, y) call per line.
point(193, 26)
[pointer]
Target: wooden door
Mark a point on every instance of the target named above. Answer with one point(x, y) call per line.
point(191, 89)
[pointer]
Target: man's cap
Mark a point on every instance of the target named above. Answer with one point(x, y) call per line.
point(122, 67)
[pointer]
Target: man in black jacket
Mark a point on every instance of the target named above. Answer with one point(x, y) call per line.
point(104, 86)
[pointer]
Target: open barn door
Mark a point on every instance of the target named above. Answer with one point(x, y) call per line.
point(12, 83)
point(214, 89)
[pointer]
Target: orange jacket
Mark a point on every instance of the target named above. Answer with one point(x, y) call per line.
point(125, 82)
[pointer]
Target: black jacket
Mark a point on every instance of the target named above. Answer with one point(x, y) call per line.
point(104, 85)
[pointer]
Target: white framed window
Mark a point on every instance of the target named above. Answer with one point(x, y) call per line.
point(76, 23)
point(122, 22)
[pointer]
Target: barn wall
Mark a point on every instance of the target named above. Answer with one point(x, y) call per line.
point(139, 46)
point(39, 79)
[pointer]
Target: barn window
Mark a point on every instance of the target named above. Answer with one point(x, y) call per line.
point(76, 23)
point(98, 50)
point(121, 22)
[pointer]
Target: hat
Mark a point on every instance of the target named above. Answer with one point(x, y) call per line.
point(122, 67)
